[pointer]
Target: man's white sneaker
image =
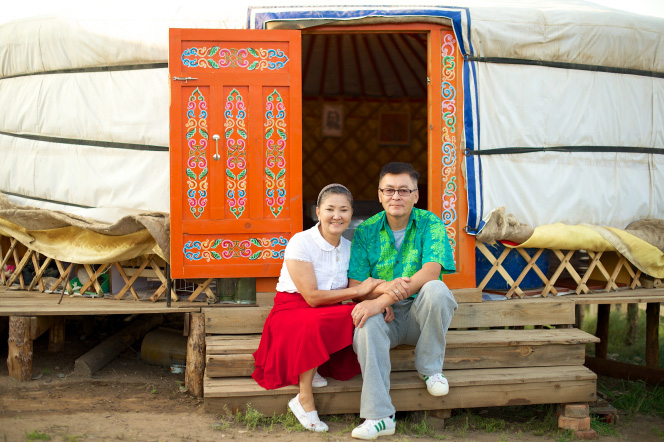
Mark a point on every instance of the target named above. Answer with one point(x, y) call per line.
point(309, 420)
point(372, 428)
point(436, 384)
point(319, 381)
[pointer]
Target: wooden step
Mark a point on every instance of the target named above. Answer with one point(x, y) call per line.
point(460, 295)
point(468, 388)
point(513, 312)
point(465, 350)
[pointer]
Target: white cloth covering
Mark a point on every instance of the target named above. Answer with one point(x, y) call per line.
point(330, 263)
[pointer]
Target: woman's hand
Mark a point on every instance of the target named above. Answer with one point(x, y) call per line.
point(366, 309)
point(388, 314)
point(367, 286)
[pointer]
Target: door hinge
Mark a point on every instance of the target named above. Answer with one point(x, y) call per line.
point(428, 80)
point(185, 79)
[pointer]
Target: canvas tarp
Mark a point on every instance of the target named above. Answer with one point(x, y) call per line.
point(69, 238)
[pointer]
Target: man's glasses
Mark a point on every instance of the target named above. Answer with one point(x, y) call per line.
point(402, 192)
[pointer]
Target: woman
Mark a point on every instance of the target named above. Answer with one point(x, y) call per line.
point(299, 339)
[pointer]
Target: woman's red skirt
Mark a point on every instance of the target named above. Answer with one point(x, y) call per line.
point(297, 337)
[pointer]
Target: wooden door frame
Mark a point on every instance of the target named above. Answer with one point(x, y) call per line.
point(465, 243)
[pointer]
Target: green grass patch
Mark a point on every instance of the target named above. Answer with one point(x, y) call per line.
point(253, 419)
point(36, 435)
point(633, 397)
point(603, 428)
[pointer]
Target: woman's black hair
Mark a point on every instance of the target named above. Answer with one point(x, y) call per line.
point(334, 188)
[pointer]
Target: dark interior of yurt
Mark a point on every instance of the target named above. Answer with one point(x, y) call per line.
point(364, 105)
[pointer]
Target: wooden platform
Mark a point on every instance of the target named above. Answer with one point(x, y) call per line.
point(485, 367)
point(24, 303)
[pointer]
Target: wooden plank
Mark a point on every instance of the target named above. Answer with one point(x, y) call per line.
point(410, 380)
point(652, 335)
point(195, 369)
point(220, 345)
point(460, 296)
point(602, 331)
point(621, 370)
point(402, 359)
point(468, 388)
point(21, 303)
point(640, 296)
point(514, 312)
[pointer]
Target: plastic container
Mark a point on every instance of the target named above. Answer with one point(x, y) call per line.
point(514, 264)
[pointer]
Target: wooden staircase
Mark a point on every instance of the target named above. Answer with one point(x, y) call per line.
point(485, 367)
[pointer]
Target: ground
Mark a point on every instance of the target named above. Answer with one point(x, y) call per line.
point(131, 401)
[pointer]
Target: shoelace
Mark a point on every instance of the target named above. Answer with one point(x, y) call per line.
point(436, 378)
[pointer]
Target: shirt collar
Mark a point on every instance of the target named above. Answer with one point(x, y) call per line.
point(384, 225)
point(320, 241)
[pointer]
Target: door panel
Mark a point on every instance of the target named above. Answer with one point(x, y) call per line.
point(236, 151)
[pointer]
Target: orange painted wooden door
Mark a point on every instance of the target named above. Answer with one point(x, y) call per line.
point(447, 188)
point(236, 150)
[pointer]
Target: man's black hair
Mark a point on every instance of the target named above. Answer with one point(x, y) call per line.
point(397, 168)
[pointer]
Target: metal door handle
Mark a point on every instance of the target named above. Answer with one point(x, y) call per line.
point(216, 156)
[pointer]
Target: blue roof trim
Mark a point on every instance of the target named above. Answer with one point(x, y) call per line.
point(262, 15)
point(454, 13)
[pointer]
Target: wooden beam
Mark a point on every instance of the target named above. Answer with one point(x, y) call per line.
point(19, 358)
point(5, 260)
point(340, 65)
point(321, 86)
point(602, 331)
point(377, 74)
point(418, 82)
point(358, 67)
point(422, 60)
point(98, 357)
point(40, 324)
point(402, 86)
point(56, 336)
point(195, 368)
point(621, 370)
point(307, 59)
point(652, 335)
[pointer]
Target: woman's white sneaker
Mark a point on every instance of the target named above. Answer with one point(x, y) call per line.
point(372, 428)
point(319, 381)
point(436, 384)
point(309, 420)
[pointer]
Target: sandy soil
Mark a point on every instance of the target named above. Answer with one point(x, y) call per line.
point(132, 401)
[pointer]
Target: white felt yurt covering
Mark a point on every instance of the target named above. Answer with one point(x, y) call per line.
point(84, 101)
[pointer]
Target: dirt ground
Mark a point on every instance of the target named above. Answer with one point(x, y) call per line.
point(131, 401)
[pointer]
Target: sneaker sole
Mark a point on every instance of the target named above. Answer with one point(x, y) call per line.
point(387, 432)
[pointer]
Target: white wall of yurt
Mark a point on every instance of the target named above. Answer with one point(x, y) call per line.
point(84, 100)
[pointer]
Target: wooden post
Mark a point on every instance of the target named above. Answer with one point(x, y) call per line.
point(56, 335)
point(632, 324)
point(652, 338)
point(195, 370)
point(19, 358)
point(579, 315)
point(602, 331)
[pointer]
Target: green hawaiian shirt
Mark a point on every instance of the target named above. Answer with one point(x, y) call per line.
point(374, 254)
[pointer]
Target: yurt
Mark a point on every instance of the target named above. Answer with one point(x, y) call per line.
point(201, 135)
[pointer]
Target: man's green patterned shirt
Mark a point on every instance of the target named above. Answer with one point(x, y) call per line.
point(374, 254)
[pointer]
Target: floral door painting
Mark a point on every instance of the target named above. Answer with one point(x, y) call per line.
point(236, 155)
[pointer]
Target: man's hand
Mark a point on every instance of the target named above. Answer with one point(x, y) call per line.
point(398, 289)
point(366, 309)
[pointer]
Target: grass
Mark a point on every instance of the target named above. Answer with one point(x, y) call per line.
point(633, 397)
point(36, 435)
point(618, 326)
point(253, 419)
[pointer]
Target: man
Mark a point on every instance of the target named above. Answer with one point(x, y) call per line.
point(410, 250)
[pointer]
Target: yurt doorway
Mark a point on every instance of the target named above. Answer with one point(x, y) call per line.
point(364, 104)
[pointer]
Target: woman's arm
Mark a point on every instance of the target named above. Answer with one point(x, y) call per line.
point(304, 278)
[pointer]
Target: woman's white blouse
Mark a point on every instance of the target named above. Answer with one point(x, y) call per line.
point(330, 263)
